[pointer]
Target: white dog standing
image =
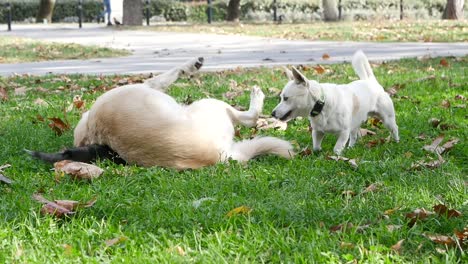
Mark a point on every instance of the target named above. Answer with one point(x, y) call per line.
point(337, 109)
point(147, 127)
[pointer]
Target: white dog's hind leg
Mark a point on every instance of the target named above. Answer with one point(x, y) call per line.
point(341, 142)
point(163, 80)
point(386, 112)
point(249, 118)
point(353, 137)
point(317, 138)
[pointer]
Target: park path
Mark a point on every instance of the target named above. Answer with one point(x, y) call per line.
point(159, 51)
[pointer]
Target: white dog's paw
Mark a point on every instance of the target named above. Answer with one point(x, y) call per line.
point(192, 66)
point(257, 94)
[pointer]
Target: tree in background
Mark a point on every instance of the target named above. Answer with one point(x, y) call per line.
point(454, 9)
point(46, 9)
point(330, 10)
point(233, 11)
point(132, 13)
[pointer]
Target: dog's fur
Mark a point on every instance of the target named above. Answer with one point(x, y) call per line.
point(345, 106)
point(147, 127)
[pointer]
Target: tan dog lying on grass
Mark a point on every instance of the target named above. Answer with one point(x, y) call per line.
point(140, 124)
point(337, 108)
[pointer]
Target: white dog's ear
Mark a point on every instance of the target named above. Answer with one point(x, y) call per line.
point(298, 76)
point(288, 73)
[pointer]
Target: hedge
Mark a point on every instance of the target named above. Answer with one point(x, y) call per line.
point(253, 10)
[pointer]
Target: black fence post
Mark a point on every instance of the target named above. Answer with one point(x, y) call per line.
point(8, 8)
point(210, 12)
point(147, 12)
point(340, 8)
point(80, 13)
point(275, 17)
point(401, 9)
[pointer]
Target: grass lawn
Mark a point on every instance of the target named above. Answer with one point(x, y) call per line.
point(309, 209)
point(385, 31)
point(15, 50)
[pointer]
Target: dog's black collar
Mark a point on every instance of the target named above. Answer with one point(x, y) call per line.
point(318, 107)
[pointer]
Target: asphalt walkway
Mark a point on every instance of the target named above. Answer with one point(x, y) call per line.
point(159, 51)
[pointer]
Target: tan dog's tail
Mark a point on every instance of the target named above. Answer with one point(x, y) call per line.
point(250, 148)
point(362, 67)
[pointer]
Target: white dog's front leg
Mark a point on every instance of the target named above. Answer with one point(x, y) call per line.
point(341, 142)
point(353, 137)
point(317, 138)
point(163, 80)
point(249, 118)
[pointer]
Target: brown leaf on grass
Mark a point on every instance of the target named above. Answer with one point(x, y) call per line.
point(441, 239)
point(271, 123)
point(418, 214)
point(371, 188)
point(5, 179)
point(51, 208)
point(462, 236)
point(40, 102)
point(375, 142)
point(433, 164)
point(239, 210)
point(458, 97)
point(115, 241)
point(341, 227)
point(348, 193)
point(435, 148)
point(77, 102)
point(373, 121)
point(3, 94)
point(78, 170)
point(68, 204)
point(392, 228)
point(444, 62)
point(442, 210)
point(391, 211)
point(392, 91)
point(67, 249)
point(352, 162)
point(305, 152)
point(434, 122)
point(365, 132)
point(319, 69)
point(325, 56)
point(20, 91)
point(445, 104)
point(397, 246)
point(58, 126)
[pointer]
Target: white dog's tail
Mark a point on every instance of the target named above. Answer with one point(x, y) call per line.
point(362, 67)
point(250, 148)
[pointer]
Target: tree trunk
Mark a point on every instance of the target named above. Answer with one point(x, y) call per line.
point(330, 10)
point(454, 9)
point(132, 13)
point(46, 9)
point(233, 10)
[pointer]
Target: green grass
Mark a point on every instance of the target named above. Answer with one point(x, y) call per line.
point(15, 50)
point(385, 31)
point(294, 202)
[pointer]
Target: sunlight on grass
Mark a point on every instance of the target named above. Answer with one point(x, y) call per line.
point(15, 50)
point(401, 31)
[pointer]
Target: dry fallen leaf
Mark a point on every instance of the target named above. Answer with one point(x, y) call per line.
point(3, 94)
point(5, 179)
point(391, 211)
point(352, 162)
point(51, 208)
point(20, 91)
point(418, 214)
point(371, 188)
point(445, 104)
point(365, 132)
point(325, 56)
point(341, 227)
point(434, 147)
point(239, 210)
point(58, 126)
point(319, 69)
point(375, 142)
point(41, 102)
point(441, 239)
point(397, 246)
point(462, 236)
point(442, 210)
point(444, 62)
point(78, 170)
point(433, 164)
point(271, 123)
point(458, 97)
point(392, 228)
point(115, 241)
point(434, 122)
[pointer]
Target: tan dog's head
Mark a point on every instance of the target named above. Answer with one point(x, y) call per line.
point(298, 96)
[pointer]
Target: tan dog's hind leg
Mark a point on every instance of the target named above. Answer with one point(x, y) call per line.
point(249, 118)
point(163, 80)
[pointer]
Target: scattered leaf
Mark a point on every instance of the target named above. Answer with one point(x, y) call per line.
point(365, 132)
point(319, 69)
point(371, 188)
point(305, 152)
point(462, 236)
point(391, 211)
point(325, 56)
point(20, 91)
point(444, 62)
point(41, 102)
point(421, 136)
point(341, 227)
point(347, 245)
point(445, 104)
point(5, 179)
point(375, 142)
point(115, 241)
point(77, 102)
point(352, 162)
point(348, 193)
point(397, 246)
point(271, 123)
point(458, 97)
point(435, 148)
point(78, 170)
point(68, 204)
point(442, 210)
point(434, 122)
point(58, 126)
point(441, 239)
point(433, 164)
point(239, 210)
point(418, 214)
point(3, 94)
point(392, 228)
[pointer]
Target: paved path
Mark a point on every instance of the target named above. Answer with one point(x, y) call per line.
point(159, 51)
